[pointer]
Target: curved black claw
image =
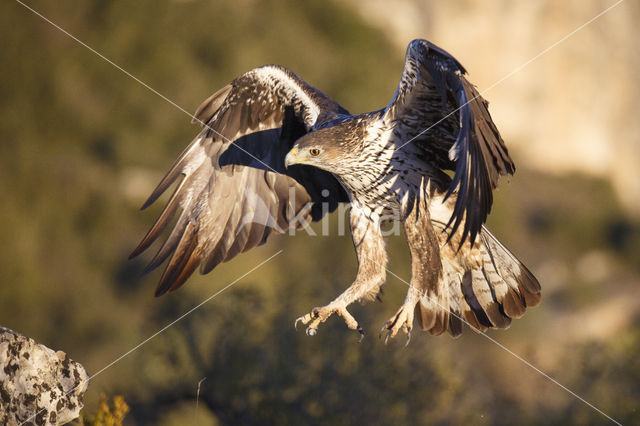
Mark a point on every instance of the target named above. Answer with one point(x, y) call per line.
point(383, 329)
point(408, 337)
point(361, 331)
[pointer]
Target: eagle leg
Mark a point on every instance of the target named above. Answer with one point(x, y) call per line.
point(372, 259)
point(403, 319)
point(320, 314)
point(426, 265)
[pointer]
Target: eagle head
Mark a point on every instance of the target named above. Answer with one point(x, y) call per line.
point(326, 149)
point(312, 155)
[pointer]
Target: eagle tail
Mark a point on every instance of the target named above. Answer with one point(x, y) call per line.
point(485, 286)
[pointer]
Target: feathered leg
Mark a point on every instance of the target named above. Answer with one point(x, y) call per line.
point(426, 266)
point(372, 261)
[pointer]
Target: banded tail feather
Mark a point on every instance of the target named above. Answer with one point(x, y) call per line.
point(485, 287)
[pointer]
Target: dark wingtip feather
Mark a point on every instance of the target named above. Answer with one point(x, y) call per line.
point(181, 278)
point(139, 249)
point(460, 180)
point(150, 200)
point(169, 178)
point(481, 158)
point(160, 224)
point(182, 263)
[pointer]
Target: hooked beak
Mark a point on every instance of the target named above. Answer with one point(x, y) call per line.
point(291, 158)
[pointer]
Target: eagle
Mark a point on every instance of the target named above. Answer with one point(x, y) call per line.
point(275, 154)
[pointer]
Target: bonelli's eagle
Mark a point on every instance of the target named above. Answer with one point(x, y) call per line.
point(276, 153)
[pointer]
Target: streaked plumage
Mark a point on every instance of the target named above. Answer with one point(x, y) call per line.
point(275, 150)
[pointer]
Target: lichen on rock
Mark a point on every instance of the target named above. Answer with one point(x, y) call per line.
point(38, 385)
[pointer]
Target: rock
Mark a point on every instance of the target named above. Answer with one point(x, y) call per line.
point(37, 385)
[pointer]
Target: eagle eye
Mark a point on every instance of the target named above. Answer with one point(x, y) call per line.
point(314, 152)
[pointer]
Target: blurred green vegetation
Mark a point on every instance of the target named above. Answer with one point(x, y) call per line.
point(82, 144)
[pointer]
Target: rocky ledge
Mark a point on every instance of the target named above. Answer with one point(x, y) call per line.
point(38, 385)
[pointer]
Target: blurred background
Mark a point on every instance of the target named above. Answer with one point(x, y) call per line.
point(83, 145)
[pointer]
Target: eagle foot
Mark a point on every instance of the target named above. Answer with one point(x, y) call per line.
point(319, 315)
point(402, 320)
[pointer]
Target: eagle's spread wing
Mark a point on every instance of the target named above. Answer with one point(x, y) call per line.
point(235, 187)
point(434, 101)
